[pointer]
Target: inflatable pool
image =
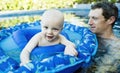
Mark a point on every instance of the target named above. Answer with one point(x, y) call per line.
point(48, 59)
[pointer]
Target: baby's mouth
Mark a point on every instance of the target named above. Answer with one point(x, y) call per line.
point(49, 37)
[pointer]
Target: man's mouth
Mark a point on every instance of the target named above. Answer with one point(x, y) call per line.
point(92, 27)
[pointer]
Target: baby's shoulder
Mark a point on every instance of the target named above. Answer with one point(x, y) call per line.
point(37, 35)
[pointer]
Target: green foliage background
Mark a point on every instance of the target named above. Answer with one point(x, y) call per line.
point(41, 4)
point(34, 4)
point(8, 5)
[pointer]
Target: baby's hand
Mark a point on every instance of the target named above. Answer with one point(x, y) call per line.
point(70, 50)
point(21, 64)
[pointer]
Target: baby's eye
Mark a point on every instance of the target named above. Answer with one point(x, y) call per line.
point(45, 27)
point(56, 29)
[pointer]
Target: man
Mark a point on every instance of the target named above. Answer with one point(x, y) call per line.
point(102, 17)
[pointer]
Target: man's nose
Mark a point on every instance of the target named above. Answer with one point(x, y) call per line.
point(90, 21)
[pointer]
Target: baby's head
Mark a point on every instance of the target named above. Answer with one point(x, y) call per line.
point(53, 17)
point(52, 24)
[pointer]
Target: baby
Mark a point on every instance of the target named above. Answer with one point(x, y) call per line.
point(51, 26)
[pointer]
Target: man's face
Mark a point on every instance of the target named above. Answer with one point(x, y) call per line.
point(97, 22)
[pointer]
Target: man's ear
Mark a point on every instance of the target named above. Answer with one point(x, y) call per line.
point(111, 20)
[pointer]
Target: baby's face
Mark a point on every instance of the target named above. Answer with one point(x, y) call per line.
point(52, 24)
point(51, 28)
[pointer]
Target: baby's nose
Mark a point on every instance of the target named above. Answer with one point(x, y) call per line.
point(49, 31)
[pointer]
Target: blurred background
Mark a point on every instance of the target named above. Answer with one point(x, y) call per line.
point(9, 6)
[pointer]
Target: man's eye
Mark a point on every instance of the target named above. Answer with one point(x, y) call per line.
point(95, 18)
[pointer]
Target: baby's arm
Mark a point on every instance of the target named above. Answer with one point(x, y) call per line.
point(70, 47)
point(25, 54)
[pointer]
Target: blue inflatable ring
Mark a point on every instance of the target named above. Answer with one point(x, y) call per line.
point(48, 59)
